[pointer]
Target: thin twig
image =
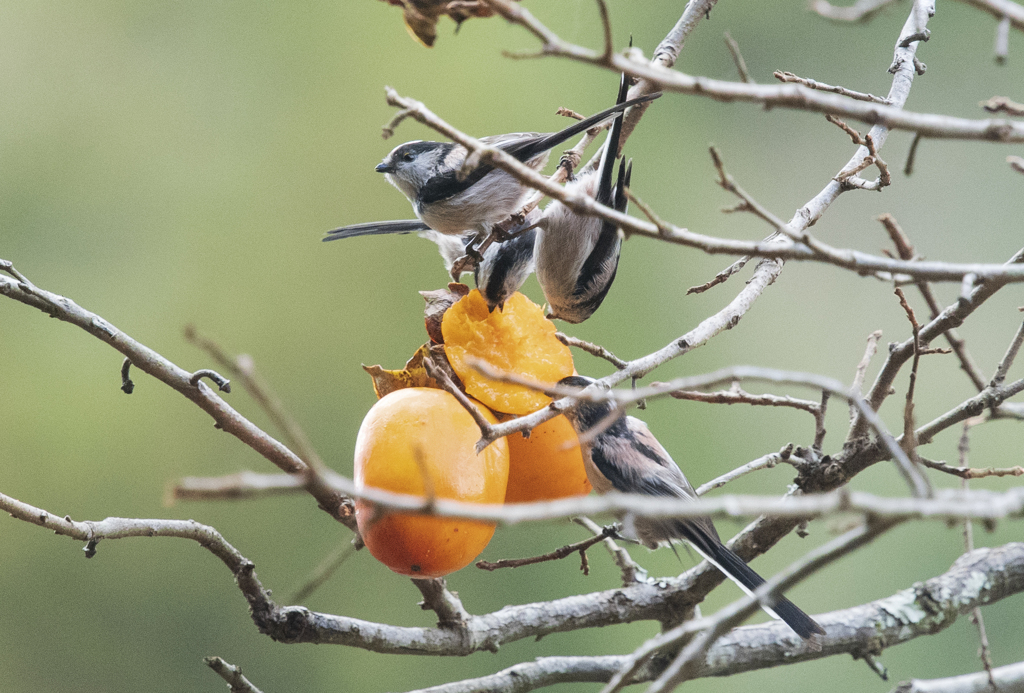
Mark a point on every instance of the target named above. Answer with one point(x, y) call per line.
point(610, 531)
point(813, 84)
point(748, 203)
point(233, 487)
point(908, 167)
point(983, 651)
point(721, 277)
point(736, 395)
point(819, 421)
point(1002, 43)
point(969, 473)
point(798, 97)
point(862, 367)
point(860, 11)
point(1001, 104)
point(989, 398)
point(737, 57)
point(442, 378)
point(632, 572)
point(323, 572)
point(1004, 363)
point(222, 383)
point(906, 252)
point(231, 674)
point(243, 368)
point(767, 462)
point(848, 175)
point(592, 349)
point(606, 25)
point(909, 441)
point(899, 354)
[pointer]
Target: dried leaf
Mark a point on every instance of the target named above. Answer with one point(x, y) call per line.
point(421, 15)
point(438, 302)
point(413, 375)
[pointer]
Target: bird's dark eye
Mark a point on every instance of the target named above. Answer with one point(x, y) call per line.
point(408, 156)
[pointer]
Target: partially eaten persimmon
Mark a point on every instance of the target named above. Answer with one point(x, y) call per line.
point(420, 441)
point(515, 339)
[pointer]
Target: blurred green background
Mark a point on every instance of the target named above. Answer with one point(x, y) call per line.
point(174, 163)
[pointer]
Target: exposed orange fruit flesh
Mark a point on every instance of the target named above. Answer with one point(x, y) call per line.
point(516, 339)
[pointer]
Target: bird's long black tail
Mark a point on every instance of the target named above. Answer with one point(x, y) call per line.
point(737, 569)
point(535, 147)
point(375, 228)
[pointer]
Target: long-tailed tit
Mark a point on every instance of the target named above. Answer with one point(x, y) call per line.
point(577, 256)
point(502, 269)
point(625, 457)
point(428, 173)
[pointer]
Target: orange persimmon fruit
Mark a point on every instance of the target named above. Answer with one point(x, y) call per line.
point(547, 465)
point(413, 434)
point(515, 339)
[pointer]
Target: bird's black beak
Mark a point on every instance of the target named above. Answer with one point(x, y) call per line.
point(383, 167)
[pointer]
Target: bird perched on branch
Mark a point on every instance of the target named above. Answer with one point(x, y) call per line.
point(455, 211)
point(577, 255)
point(454, 202)
point(501, 269)
point(625, 457)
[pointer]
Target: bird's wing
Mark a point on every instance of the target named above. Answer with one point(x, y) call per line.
point(523, 146)
point(598, 271)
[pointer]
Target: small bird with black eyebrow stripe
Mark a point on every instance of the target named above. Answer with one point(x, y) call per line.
point(429, 174)
point(625, 457)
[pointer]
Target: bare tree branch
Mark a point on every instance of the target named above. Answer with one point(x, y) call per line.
point(149, 361)
point(737, 57)
point(688, 662)
point(592, 349)
point(794, 96)
point(906, 252)
point(233, 486)
point(923, 609)
point(860, 11)
point(581, 547)
point(631, 571)
point(1002, 9)
point(813, 84)
point(766, 462)
point(243, 368)
point(898, 355)
point(969, 473)
point(232, 674)
point(1007, 679)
